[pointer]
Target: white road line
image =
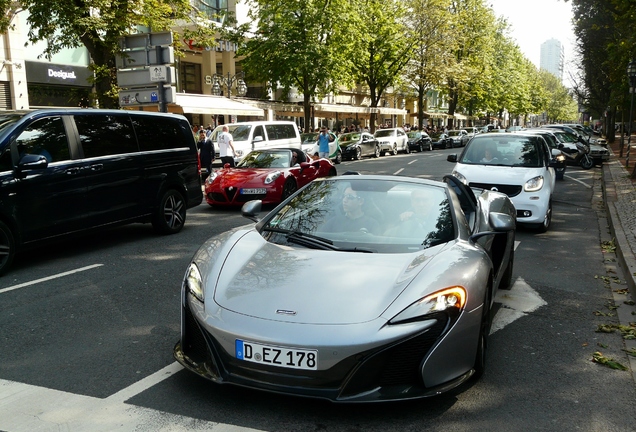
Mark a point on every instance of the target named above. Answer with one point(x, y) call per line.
point(59, 275)
point(398, 171)
point(578, 181)
point(413, 161)
point(29, 408)
point(144, 384)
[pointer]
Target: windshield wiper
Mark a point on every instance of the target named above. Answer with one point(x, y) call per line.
point(312, 241)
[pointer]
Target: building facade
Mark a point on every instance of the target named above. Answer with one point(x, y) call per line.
point(552, 57)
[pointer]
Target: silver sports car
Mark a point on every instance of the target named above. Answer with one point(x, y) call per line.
point(356, 288)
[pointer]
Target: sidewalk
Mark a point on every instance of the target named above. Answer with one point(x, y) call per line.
point(619, 192)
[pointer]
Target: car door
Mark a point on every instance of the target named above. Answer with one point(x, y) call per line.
point(50, 201)
point(402, 139)
point(367, 144)
point(114, 167)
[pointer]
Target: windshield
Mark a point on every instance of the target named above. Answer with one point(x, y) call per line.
point(437, 135)
point(6, 120)
point(266, 159)
point(350, 137)
point(389, 216)
point(414, 134)
point(521, 151)
point(309, 138)
point(566, 137)
point(453, 133)
point(384, 133)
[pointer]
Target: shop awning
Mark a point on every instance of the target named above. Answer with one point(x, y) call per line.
point(321, 108)
point(207, 104)
point(391, 111)
point(435, 115)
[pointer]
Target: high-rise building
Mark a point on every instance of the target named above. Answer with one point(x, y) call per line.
point(552, 57)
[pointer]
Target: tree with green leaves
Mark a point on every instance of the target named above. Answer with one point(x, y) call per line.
point(561, 106)
point(298, 43)
point(429, 29)
point(382, 46)
point(99, 25)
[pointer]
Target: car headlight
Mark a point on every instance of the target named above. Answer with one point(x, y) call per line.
point(193, 282)
point(560, 158)
point(211, 177)
point(450, 300)
point(460, 177)
point(534, 184)
point(271, 177)
point(239, 153)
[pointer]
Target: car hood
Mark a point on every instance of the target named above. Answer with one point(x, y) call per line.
point(499, 174)
point(236, 176)
point(295, 284)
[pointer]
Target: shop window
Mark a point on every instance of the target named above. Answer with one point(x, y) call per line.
point(190, 77)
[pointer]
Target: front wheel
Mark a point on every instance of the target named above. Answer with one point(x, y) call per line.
point(586, 162)
point(543, 227)
point(358, 153)
point(7, 247)
point(289, 188)
point(377, 152)
point(171, 213)
point(407, 149)
point(394, 150)
point(338, 157)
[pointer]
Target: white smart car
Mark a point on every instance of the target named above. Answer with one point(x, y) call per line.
point(519, 165)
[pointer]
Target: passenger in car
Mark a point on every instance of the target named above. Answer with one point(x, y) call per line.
point(354, 218)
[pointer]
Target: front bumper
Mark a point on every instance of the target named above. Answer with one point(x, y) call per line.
point(387, 372)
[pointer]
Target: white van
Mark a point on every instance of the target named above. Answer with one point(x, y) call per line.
point(255, 135)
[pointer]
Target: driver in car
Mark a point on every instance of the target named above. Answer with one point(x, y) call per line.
point(354, 218)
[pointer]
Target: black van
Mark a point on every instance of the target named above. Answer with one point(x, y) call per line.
point(64, 171)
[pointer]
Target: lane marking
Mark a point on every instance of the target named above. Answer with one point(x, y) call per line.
point(578, 181)
point(398, 171)
point(25, 407)
point(413, 161)
point(145, 383)
point(59, 275)
point(516, 303)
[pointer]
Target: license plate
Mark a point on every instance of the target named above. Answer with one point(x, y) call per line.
point(293, 358)
point(253, 191)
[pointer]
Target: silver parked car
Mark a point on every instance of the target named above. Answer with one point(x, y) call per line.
point(356, 288)
point(392, 140)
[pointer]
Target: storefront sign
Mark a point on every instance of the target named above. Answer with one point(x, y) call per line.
point(220, 46)
point(50, 73)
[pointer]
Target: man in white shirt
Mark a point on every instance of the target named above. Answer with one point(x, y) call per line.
point(225, 141)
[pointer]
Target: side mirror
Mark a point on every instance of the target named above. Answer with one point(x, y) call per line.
point(251, 209)
point(452, 158)
point(258, 139)
point(32, 161)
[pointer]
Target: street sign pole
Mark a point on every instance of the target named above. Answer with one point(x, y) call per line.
point(162, 94)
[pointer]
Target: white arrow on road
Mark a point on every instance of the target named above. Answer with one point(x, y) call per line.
point(519, 301)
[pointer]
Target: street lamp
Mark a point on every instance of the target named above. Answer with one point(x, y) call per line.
point(229, 81)
point(631, 74)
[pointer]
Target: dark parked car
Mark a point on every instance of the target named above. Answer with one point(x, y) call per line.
point(441, 141)
point(419, 141)
point(355, 145)
point(65, 171)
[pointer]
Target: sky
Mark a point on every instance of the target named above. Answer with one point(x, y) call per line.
point(534, 22)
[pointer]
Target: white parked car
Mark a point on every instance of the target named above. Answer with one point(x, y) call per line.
point(392, 140)
point(519, 165)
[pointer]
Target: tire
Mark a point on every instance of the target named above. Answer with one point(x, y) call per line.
point(482, 343)
point(288, 188)
point(506, 280)
point(560, 173)
point(332, 172)
point(171, 213)
point(407, 149)
point(7, 248)
point(377, 153)
point(545, 225)
point(394, 151)
point(338, 157)
point(430, 147)
point(420, 149)
point(358, 155)
point(586, 162)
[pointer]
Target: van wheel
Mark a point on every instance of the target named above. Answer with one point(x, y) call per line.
point(7, 247)
point(171, 213)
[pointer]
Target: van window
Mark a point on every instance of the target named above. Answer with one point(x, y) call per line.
point(103, 135)
point(240, 132)
point(258, 131)
point(160, 133)
point(46, 137)
point(280, 131)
